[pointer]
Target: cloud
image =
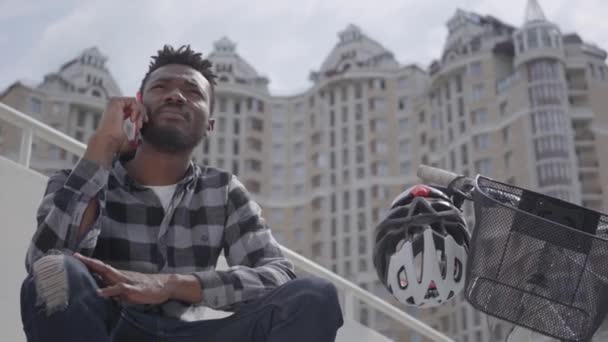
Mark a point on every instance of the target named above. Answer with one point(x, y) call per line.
point(281, 39)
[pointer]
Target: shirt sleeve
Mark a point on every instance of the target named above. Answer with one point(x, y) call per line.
point(254, 256)
point(66, 197)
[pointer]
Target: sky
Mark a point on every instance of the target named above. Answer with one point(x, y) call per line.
point(283, 40)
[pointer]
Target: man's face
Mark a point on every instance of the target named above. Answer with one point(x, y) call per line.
point(176, 98)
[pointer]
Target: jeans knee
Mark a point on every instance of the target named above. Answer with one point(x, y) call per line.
point(319, 293)
point(53, 278)
point(318, 287)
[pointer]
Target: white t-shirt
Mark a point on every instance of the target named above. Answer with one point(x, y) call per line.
point(164, 193)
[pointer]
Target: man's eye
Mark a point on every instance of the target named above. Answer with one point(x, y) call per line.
point(157, 86)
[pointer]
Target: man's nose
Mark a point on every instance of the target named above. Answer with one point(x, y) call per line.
point(175, 96)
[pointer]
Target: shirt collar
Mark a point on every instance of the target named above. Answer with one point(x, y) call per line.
point(120, 172)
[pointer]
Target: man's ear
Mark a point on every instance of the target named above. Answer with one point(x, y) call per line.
point(138, 97)
point(211, 124)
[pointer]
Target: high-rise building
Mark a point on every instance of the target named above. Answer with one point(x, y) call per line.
point(520, 104)
point(524, 105)
point(321, 163)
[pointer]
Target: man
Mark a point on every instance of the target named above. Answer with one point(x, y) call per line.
point(150, 225)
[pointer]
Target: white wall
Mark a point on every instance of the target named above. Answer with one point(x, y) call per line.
point(20, 194)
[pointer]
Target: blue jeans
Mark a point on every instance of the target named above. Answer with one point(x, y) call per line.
point(301, 310)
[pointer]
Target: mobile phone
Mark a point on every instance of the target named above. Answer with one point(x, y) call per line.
point(129, 128)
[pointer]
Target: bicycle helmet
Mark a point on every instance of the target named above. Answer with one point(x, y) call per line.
point(421, 247)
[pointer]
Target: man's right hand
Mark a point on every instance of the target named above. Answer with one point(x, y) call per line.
point(109, 137)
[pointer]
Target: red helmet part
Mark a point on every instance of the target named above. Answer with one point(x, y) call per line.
point(421, 190)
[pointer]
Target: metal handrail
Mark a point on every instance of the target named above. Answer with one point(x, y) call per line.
point(32, 127)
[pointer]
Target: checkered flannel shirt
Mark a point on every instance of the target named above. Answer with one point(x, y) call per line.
point(211, 211)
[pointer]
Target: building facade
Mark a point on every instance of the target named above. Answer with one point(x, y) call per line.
point(525, 105)
point(70, 100)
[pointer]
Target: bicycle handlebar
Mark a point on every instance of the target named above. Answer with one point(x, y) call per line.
point(436, 175)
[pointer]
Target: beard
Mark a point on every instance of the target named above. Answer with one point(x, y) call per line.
point(170, 139)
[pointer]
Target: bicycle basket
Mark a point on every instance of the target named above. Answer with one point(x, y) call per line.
point(537, 261)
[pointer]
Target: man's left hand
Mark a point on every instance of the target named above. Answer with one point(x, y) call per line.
point(132, 287)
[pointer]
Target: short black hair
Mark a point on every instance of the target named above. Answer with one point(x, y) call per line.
point(186, 56)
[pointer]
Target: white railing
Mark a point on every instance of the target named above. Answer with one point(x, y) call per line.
point(351, 292)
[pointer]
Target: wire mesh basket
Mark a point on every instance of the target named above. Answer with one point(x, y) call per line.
point(537, 261)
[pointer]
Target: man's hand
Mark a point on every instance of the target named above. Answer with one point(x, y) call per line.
point(131, 287)
point(109, 137)
point(111, 124)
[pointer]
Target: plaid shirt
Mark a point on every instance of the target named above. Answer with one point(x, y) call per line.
point(210, 211)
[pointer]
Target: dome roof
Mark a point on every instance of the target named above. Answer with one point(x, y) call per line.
point(229, 66)
point(355, 50)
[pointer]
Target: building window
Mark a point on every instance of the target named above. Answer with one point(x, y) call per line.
point(316, 181)
point(346, 200)
point(278, 171)
point(506, 135)
point(298, 189)
point(546, 94)
point(507, 158)
point(458, 83)
point(402, 83)
point(236, 127)
point(82, 115)
point(361, 198)
point(464, 318)
point(405, 168)
point(380, 147)
point(477, 92)
point(479, 116)
point(298, 148)
point(460, 107)
point(543, 70)
point(383, 169)
point(35, 105)
point(448, 112)
point(362, 265)
point(421, 117)
point(481, 141)
point(254, 144)
point(475, 69)
point(520, 42)
point(404, 147)
point(532, 35)
point(344, 114)
point(221, 125)
point(503, 108)
point(463, 126)
point(403, 124)
point(403, 103)
point(358, 91)
point(222, 104)
point(464, 155)
point(484, 166)
point(299, 170)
